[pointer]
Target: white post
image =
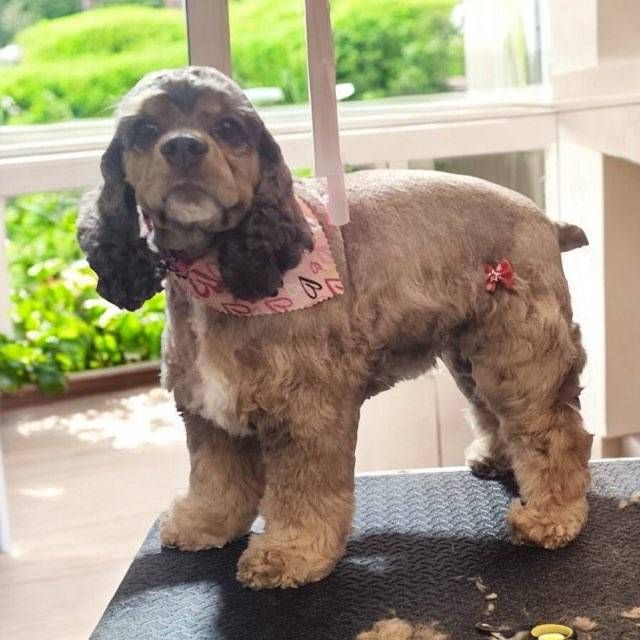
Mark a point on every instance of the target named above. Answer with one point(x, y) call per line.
point(5, 303)
point(324, 110)
point(4, 510)
point(595, 52)
point(600, 193)
point(208, 34)
point(581, 202)
point(5, 327)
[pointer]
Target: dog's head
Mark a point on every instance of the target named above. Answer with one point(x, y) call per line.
point(191, 153)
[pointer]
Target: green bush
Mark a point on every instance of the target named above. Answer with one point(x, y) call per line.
point(16, 15)
point(103, 31)
point(60, 322)
point(383, 48)
point(396, 48)
point(79, 65)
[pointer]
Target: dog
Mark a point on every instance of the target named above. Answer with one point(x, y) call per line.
point(197, 200)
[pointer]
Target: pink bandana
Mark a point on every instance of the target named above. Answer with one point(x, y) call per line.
point(314, 280)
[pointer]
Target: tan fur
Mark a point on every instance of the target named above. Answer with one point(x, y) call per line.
point(582, 623)
point(631, 614)
point(272, 402)
point(398, 629)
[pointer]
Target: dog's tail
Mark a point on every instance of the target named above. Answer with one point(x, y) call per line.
point(570, 236)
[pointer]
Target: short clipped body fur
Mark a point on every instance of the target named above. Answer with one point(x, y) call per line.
point(271, 403)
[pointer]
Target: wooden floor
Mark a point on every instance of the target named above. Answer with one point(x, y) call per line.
point(85, 483)
point(87, 478)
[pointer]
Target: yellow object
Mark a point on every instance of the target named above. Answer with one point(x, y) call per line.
point(552, 632)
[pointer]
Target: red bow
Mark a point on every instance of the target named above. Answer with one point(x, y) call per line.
point(502, 272)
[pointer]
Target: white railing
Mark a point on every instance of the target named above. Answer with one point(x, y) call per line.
point(66, 155)
point(63, 156)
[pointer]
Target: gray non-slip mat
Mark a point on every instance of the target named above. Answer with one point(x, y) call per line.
point(417, 539)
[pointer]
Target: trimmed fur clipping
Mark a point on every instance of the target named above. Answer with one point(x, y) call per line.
point(480, 585)
point(398, 629)
point(490, 597)
point(582, 623)
point(627, 502)
point(492, 603)
point(631, 614)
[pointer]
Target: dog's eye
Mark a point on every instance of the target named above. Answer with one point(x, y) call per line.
point(144, 133)
point(229, 130)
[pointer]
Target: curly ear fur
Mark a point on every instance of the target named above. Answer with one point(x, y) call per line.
point(108, 232)
point(272, 236)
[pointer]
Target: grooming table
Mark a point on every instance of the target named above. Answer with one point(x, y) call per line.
point(419, 540)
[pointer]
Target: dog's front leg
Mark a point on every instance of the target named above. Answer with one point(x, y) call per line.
point(308, 500)
point(225, 486)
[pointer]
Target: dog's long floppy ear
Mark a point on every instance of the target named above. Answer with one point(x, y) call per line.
point(272, 236)
point(109, 233)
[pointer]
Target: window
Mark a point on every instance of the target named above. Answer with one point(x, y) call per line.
point(402, 71)
point(61, 62)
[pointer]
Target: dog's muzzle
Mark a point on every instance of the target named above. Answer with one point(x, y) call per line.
point(168, 237)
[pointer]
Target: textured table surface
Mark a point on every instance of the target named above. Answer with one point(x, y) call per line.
point(417, 541)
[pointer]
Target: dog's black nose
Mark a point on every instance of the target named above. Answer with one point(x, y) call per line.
point(184, 150)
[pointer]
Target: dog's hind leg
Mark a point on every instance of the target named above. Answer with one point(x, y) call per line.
point(526, 359)
point(487, 456)
point(225, 487)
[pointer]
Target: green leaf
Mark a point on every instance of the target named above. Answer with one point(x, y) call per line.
point(8, 382)
point(49, 379)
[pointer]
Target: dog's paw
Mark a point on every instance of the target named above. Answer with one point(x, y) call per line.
point(550, 528)
point(175, 532)
point(189, 526)
point(482, 464)
point(489, 469)
point(267, 564)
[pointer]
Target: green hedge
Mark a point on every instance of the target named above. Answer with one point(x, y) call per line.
point(18, 14)
point(79, 65)
point(383, 48)
point(396, 48)
point(60, 323)
point(100, 32)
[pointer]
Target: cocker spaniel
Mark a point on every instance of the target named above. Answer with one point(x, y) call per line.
point(280, 325)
